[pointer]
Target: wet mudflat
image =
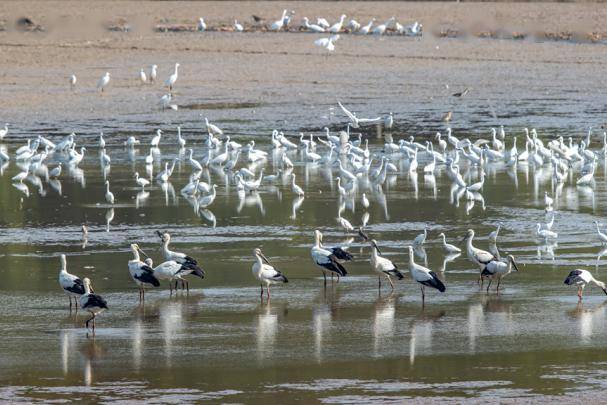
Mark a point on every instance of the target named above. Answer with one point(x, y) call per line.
point(343, 343)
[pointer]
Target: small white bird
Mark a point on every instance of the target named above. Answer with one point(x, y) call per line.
point(364, 200)
point(238, 27)
point(547, 200)
point(295, 188)
point(109, 196)
point(103, 82)
point(545, 233)
point(265, 273)
point(141, 182)
point(581, 278)
point(73, 81)
point(142, 76)
point(335, 28)
point(421, 238)
point(602, 236)
point(202, 26)
point(153, 73)
point(327, 43)
point(55, 172)
point(448, 248)
point(170, 82)
point(156, 139)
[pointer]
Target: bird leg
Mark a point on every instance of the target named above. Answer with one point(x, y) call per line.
point(176, 283)
point(391, 283)
point(423, 295)
point(499, 281)
point(171, 287)
point(187, 286)
point(580, 293)
point(324, 274)
point(489, 285)
point(261, 291)
point(86, 324)
point(338, 278)
point(94, 323)
point(70, 298)
point(379, 283)
point(268, 291)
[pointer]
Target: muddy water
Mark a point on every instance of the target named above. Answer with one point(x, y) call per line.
point(345, 343)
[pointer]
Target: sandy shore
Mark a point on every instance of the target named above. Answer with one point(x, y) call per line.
point(291, 81)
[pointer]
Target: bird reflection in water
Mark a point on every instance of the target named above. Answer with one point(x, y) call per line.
point(421, 333)
point(383, 322)
point(591, 320)
point(265, 331)
point(90, 352)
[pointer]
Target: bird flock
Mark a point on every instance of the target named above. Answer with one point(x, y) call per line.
point(360, 173)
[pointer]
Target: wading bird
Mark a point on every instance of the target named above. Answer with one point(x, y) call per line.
point(265, 273)
point(190, 264)
point(499, 269)
point(581, 278)
point(326, 259)
point(424, 276)
point(92, 303)
point(142, 274)
point(383, 266)
point(71, 284)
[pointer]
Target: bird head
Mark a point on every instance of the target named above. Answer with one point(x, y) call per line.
point(469, 234)
point(374, 244)
point(511, 260)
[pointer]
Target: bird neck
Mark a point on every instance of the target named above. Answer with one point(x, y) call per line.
point(136, 255)
point(87, 288)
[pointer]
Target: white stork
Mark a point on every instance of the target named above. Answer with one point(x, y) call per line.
point(383, 266)
point(326, 259)
point(141, 273)
point(265, 273)
point(477, 256)
point(424, 276)
point(93, 303)
point(499, 269)
point(71, 284)
point(190, 264)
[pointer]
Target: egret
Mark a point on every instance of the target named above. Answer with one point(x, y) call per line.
point(71, 284)
point(193, 162)
point(207, 200)
point(202, 26)
point(104, 81)
point(383, 266)
point(545, 233)
point(364, 30)
point(55, 172)
point(355, 121)
point(548, 200)
point(278, 24)
point(212, 128)
point(180, 140)
point(153, 73)
point(170, 82)
point(295, 188)
point(381, 28)
point(266, 273)
point(344, 223)
point(142, 76)
point(335, 28)
point(365, 201)
point(238, 27)
point(327, 43)
point(421, 238)
point(448, 248)
point(326, 259)
point(109, 196)
point(156, 139)
point(424, 276)
point(312, 27)
point(581, 278)
point(73, 81)
point(602, 236)
point(141, 181)
point(92, 303)
point(493, 235)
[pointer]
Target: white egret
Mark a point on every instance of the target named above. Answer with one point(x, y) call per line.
point(448, 248)
point(545, 233)
point(141, 182)
point(335, 28)
point(312, 27)
point(73, 81)
point(109, 196)
point(602, 236)
point(142, 76)
point(295, 188)
point(202, 26)
point(170, 82)
point(103, 82)
point(153, 73)
point(238, 27)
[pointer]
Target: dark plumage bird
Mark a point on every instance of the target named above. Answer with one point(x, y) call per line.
point(326, 259)
point(71, 284)
point(424, 276)
point(383, 266)
point(142, 274)
point(461, 93)
point(93, 303)
point(581, 278)
point(188, 263)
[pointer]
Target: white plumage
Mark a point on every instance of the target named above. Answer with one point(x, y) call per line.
point(265, 273)
point(71, 284)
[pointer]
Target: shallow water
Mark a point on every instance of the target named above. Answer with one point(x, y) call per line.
point(345, 343)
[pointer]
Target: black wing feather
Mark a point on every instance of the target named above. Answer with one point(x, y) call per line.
point(148, 278)
point(573, 277)
point(77, 287)
point(341, 254)
point(435, 282)
point(95, 300)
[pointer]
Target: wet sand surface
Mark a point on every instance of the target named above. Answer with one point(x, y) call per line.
point(346, 343)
